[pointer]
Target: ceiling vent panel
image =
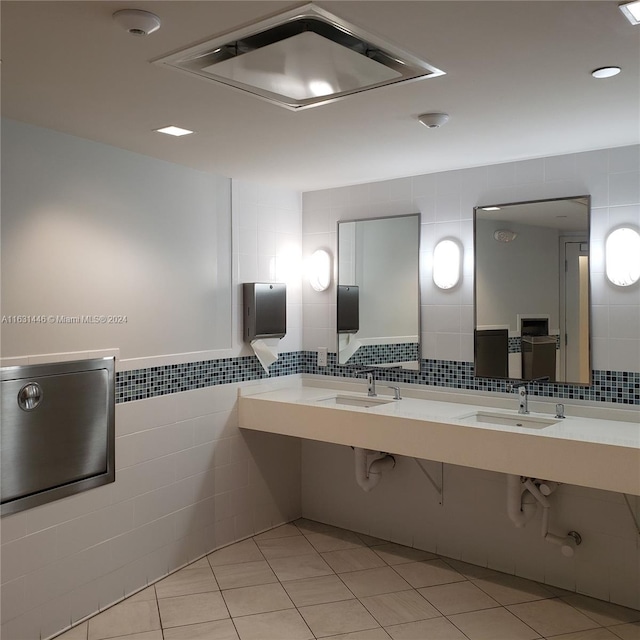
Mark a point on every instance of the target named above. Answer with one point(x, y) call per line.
point(300, 59)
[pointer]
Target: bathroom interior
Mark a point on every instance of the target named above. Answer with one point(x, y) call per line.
point(358, 357)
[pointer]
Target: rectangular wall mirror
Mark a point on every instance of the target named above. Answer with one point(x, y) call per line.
point(532, 290)
point(378, 292)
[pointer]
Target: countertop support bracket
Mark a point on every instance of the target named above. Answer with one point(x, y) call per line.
point(438, 487)
point(632, 512)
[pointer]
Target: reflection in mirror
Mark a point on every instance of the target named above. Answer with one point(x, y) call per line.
point(532, 290)
point(378, 292)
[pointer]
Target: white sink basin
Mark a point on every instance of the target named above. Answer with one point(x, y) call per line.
point(508, 419)
point(354, 401)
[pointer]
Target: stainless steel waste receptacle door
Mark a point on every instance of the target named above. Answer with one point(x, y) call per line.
point(56, 432)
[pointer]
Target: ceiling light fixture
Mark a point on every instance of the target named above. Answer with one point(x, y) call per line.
point(631, 11)
point(606, 72)
point(490, 208)
point(300, 58)
point(433, 120)
point(174, 131)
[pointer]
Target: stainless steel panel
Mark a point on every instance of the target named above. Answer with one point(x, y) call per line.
point(57, 434)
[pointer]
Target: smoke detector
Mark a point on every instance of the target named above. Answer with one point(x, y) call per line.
point(433, 120)
point(137, 22)
point(301, 58)
point(504, 235)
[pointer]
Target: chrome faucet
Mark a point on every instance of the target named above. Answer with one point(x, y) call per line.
point(371, 381)
point(523, 397)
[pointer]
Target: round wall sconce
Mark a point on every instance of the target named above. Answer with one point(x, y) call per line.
point(320, 270)
point(622, 256)
point(447, 264)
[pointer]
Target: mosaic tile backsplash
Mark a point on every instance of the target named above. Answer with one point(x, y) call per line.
point(369, 354)
point(619, 387)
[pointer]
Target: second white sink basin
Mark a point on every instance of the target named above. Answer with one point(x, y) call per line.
point(507, 419)
point(354, 401)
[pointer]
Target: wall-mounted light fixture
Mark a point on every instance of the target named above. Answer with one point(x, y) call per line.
point(447, 264)
point(320, 270)
point(622, 256)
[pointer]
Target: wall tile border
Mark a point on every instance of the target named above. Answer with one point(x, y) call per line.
point(617, 387)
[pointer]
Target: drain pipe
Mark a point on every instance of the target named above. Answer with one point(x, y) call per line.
point(566, 543)
point(370, 465)
point(520, 508)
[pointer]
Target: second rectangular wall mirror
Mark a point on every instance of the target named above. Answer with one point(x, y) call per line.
point(532, 290)
point(378, 292)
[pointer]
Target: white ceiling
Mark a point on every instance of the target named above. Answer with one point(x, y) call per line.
point(518, 85)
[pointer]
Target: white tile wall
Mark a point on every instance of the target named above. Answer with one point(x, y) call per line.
point(471, 525)
point(187, 479)
point(446, 201)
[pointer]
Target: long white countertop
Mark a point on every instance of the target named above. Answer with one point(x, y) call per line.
point(587, 451)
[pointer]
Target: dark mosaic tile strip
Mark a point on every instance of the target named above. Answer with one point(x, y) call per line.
point(606, 386)
point(369, 354)
point(159, 381)
point(618, 387)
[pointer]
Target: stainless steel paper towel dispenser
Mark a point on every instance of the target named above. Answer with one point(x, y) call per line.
point(58, 431)
point(265, 310)
point(348, 308)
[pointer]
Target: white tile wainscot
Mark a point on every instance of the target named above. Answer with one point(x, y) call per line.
point(585, 449)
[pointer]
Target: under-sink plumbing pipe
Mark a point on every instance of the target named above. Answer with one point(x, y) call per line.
point(523, 498)
point(370, 465)
point(521, 505)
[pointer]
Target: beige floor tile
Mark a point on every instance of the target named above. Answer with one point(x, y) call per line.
point(369, 634)
point(298, 567)
point(471, 571)
point(372, 582)
point(627, 631)
point(593, 634)
point(245, 574)
point(394, 554)
point(434, 629)
point(124, 619)
point(263, 598)
point(146, 594)
point(397, 608)
point(218, 630)
point(198, 607)
point(428, 574)
point(186, 582)
point(604, 613)
point(311, 526)
point(285, 547)
point(337, 617)
point(353, 560)
point(493, 624)
point(552, 617)
point(245, 551)
point(145, 635)
point(511, 589)
point(370, 541)
point(334, 540)
point(203, 563)
point(317, 590)
point(283, 531)
point(279, 625)
point(77, 633)
point(457, 597)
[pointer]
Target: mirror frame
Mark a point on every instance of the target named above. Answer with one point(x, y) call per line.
point(418, 292)
point(560, 287)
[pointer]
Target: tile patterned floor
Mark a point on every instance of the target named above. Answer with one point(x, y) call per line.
point(308, 580)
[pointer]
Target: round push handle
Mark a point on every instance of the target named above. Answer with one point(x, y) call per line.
point(30, 396)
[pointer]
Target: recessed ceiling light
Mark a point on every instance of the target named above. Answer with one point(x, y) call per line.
point(606, 72)
point(174, 131)
point(631, 11)
point(491, 208)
